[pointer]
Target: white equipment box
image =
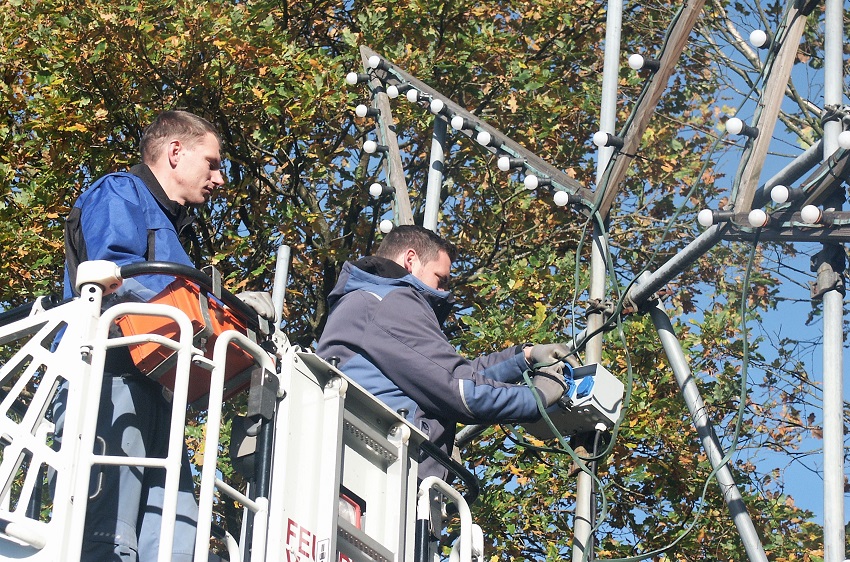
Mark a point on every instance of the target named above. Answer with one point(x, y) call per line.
point(595, 397)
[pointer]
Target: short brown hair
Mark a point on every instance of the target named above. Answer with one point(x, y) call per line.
point(427, 244)
point(170, 125)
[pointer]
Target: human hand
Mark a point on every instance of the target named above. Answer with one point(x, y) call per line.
point(546, 354)
point(550, 383)
point(260, 301)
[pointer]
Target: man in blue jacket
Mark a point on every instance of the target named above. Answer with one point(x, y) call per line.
point(129, 217)
point(385, 326)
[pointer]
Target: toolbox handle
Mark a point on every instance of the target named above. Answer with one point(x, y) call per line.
point(204, 281)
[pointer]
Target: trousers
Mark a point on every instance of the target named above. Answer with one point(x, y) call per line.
point(124, 512)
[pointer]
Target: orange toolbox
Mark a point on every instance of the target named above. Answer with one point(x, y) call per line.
point(210, 318)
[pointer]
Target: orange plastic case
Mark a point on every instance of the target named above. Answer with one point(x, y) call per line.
point(150, 357)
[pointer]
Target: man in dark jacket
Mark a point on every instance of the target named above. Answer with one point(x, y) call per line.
point(385, 327)
point(129, 218)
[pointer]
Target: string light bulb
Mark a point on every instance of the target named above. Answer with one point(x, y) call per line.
point(437, 106)
point(844, 139)
point(735, 126)
point(758, 218)
point(758, 38)
point(506, 163)
point(562, 198)
point(386, 226)
point(363, 110)
point(637, 62)
point(484, 138)
point(532, 182)
point(810, 214)
point(603, 139)
point(354, 78)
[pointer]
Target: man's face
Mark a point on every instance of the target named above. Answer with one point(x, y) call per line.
point(434, 273)
point(196, 170)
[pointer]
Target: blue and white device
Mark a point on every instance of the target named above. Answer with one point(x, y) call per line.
point(595, 397)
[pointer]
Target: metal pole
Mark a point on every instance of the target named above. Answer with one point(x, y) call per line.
point(699, 416)
point(435, 175)
point(833, 308)
point(582, 525)
point(281, 273)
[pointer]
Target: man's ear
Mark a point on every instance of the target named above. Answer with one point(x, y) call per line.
point(408, 257)
point(174, 148)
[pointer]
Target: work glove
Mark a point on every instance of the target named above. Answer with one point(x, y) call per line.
point(550, 383)
point(260, 301)
point(546, 354)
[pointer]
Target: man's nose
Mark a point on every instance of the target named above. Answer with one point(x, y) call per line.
point(218, 178)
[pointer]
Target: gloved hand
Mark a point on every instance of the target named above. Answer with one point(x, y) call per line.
point(260, 301)
point(546, 354)
point(550, 383)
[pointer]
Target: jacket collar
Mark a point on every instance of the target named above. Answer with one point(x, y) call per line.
point(381, 271)
point(178, 214)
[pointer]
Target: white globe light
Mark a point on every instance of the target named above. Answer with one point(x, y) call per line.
point(392, 91)
point(779, 194)
point(375, 190)
point(636, 62)
point(758, 38)
point(504, 163)
point(457, 122)
point(483, 138)
point(386, 225)
point(705, 218)
point(361, 110)
point(844, 139)
point(412, 95)
point(531, 182)
point(370, 147)
point(810, 214)
point(561, 198)
point(734, 126)
point(757, 218)
point(374, 61)
point(437, 106)
point(600, 139)
point(351, 78)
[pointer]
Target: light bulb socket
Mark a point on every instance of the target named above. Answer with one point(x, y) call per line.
point(364, 110)
point(506, 163)
point(708, 217)
point(780, 194)
point(354, 78)
point(436, 106)
point(460, 123)
point(737, 127)
point(639, 62)
point(377, 62)
point(379, 190)
point(532, 182)
point(602, 139)
point(563, 198)
point(484, 138)
point(395, 90)
point(372, 147)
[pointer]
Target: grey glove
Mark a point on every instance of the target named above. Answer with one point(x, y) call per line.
point(546, 354)
point(550, 383)
point(260, 301)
